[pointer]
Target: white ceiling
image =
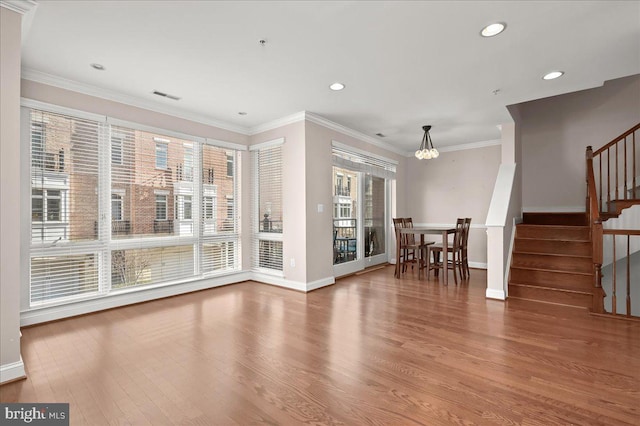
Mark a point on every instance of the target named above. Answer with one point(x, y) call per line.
point(405, 64)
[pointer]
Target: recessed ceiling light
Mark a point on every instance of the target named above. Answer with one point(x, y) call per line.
point(98, 67)
point(552, 75)
point(242, 113)
point(493, 29)
point(336, 86)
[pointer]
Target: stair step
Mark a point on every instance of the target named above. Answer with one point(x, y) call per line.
point(581, 299)
point(567, 219)
point(615, 207)
point(556, 262)
point(575, 281)
point(535, 245)
point(553, 232)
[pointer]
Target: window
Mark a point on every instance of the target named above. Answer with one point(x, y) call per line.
point(208, 207)
point(116, 150)
point(37, 144)
point(345, 210)
point(229, 165)
point(116, 207)
point(183, 207)
point(37, 211)
point(46, 204)
point(53, 205)
point(76, 252)
point(267, 202)
point(161, 155)
point(187, 207)
point(188, 164)
point(161, 207)
point(229, 207)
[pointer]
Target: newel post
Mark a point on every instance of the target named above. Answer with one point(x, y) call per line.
point(589, 157)
point(598, 293)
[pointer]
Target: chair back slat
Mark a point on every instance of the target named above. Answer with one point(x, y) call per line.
point(409, 238)
point(459, 235)
point(467, 226)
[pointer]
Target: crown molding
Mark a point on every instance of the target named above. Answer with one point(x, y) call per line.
point(20, 6)
point(279, 122)
point(315, 118)
point(87, 89)
point(463, 147)
point(472, 145)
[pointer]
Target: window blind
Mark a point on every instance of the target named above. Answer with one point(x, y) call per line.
point(64, 188)
point(219, 212)
point(64, 178)
point(356, 160)
point(115, 206)
point(267, 217)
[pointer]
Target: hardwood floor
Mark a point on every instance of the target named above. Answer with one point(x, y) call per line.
point(369, 350)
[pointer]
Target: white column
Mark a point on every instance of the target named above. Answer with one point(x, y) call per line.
point(11, 366)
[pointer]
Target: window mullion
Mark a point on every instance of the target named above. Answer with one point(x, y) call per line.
point(104, 205)
point(196, 206)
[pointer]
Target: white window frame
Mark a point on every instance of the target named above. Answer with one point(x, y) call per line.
point(101, 247)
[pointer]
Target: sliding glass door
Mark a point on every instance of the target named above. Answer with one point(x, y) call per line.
point(375, 218)
point(359, 218)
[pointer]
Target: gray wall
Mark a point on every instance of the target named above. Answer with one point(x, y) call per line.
point(555, 133)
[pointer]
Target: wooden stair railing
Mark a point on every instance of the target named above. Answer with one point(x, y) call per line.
point(604, 202)
point(616, 171)
point(627, 287)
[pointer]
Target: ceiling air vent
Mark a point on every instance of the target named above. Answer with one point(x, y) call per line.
point(165, 95)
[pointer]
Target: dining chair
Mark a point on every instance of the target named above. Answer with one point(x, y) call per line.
point(465, 240)
point(399, 223)
point(455, 249)
point(411, 251)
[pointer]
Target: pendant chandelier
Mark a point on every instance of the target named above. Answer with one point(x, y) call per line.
point(426, 150)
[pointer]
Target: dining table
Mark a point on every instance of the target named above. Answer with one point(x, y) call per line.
point(422, 231)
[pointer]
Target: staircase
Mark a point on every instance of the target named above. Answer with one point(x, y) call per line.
point(552, 260)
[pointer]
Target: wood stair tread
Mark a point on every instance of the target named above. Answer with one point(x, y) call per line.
point(552, 254)
point(552, 226)
point(545, 302)
point(560, 271)
point(553, 239)
point(562, 290)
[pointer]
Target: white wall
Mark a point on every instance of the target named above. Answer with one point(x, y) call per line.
point(456, 184)
point(556, 132)
point(11, 366)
